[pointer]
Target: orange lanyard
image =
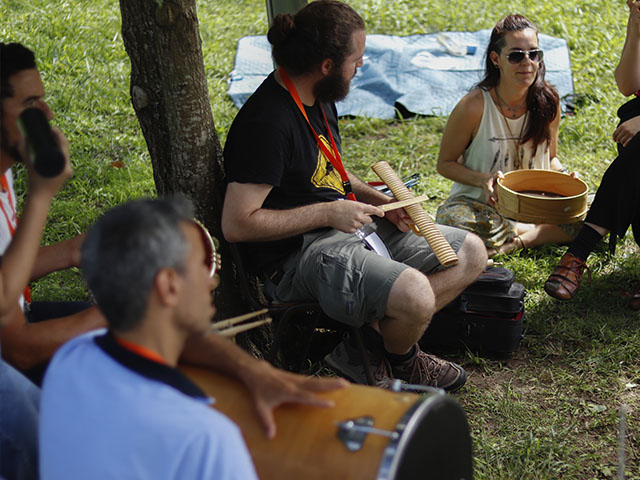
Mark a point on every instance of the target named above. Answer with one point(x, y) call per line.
point(333, 156)
point(140, 350)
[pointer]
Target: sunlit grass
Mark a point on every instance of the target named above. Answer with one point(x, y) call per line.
point(547, 412)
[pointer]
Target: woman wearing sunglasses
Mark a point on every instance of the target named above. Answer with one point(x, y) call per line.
point(617, 201)
point(509, 121)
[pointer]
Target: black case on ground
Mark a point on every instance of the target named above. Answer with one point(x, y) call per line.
point(488, 315)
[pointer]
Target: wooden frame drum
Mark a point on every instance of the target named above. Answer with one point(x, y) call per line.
point(369, 434)
point(541, 196)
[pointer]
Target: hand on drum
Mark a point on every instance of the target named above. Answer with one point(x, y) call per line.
point(489, 187)
point(272, 387)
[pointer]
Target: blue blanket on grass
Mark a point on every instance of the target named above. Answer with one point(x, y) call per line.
point(413, 72)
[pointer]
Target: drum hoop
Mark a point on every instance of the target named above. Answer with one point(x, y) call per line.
point(546, 199)
point(524, 207)
point(390, 458)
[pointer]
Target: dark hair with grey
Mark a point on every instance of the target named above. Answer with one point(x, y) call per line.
point(126, 248)
point(542, 98)
point(14, 58)
point(320, 30)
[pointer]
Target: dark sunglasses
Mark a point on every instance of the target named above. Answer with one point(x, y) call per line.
point(516, 56)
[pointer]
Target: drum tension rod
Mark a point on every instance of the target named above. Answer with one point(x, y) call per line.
point(353, 432)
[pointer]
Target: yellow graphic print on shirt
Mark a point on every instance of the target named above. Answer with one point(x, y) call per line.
point(325, 176)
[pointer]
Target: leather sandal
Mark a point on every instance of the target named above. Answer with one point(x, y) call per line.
point(565, 280)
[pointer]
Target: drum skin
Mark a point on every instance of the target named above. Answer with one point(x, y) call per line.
point(433, 442)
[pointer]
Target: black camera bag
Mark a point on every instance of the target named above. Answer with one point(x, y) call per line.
point(488, 315)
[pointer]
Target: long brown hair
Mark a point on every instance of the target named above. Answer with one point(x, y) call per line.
point(542, 98)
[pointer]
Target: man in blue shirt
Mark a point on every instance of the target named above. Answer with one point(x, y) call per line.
point(113, 403)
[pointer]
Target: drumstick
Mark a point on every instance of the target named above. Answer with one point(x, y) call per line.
point(442, 250)
point(240, 318)
point(387, 207)
point(230, 332)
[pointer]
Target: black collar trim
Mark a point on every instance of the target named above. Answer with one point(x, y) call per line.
point(148, 368)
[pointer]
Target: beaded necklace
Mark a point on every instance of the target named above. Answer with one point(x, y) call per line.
point(509, 107)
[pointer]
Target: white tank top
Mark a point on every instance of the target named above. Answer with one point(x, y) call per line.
point(494, 148)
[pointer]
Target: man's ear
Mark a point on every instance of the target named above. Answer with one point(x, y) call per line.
point(167, 286)
point(326, 67)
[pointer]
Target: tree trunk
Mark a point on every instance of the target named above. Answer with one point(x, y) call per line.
point(171, 100)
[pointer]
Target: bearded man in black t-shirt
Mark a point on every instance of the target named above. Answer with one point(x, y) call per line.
point(291, 206)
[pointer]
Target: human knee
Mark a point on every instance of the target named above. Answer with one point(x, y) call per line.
point(473, 254)
point(411, 298)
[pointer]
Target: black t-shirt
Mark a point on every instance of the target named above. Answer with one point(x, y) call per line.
point(271, 143)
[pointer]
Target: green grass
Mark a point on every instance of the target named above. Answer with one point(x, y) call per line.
point(547, 412)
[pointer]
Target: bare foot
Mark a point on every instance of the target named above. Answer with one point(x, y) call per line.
point(516, 244)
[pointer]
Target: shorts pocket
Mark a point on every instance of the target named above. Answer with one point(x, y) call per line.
point(338, 274)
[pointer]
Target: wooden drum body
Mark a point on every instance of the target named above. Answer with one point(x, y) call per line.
point(541, 196)
point(425, 437)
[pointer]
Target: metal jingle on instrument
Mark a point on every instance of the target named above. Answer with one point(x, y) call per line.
point(212, 257)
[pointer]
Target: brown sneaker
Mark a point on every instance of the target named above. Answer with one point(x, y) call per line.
point(429, 370)
point(345, 359)
point(565, 280)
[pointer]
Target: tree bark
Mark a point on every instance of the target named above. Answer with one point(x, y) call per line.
point(171, 100)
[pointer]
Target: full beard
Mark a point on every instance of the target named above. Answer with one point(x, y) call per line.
point(332, 88)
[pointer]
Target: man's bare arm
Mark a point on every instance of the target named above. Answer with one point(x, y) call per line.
point(269, 386)
point(26, 345)
point(21, 255)
point(59, 256)
point(244, 219)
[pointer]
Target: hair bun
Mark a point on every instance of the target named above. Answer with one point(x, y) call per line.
point(282, 28)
